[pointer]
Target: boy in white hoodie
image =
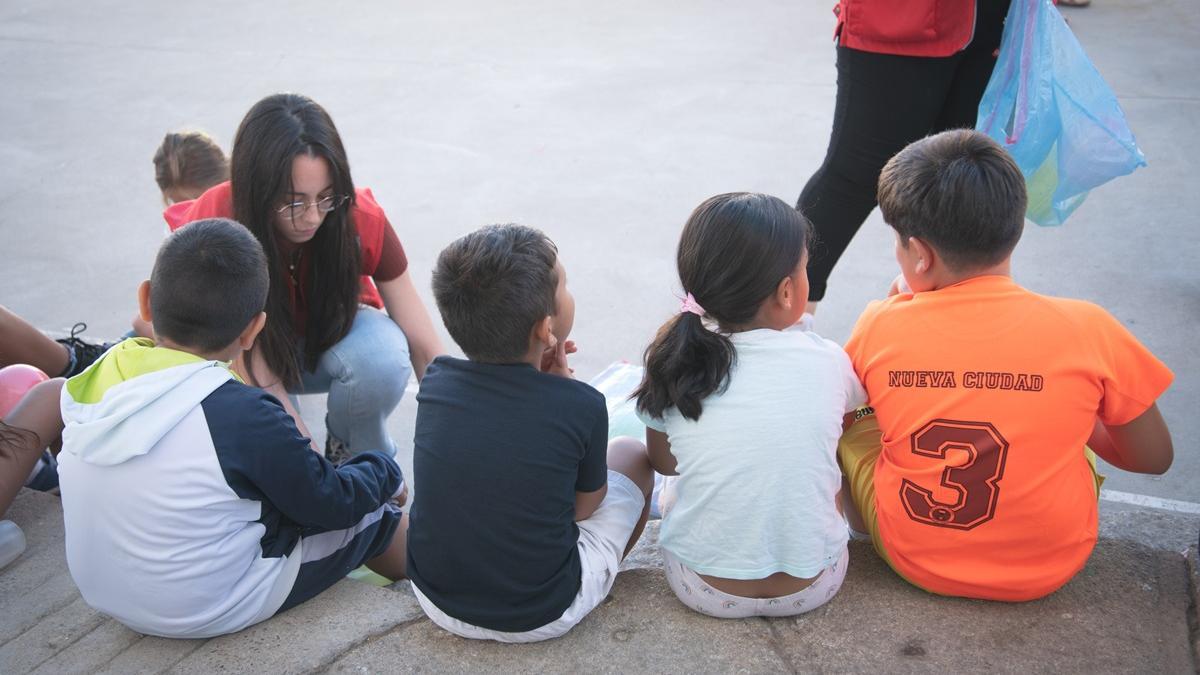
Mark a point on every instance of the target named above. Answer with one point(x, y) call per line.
point(193, 506)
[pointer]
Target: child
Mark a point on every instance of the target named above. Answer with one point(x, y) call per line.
point(187, 164)
point(986, 393)
point(32, 425)
point(519, 526)
point(192, 505)
point(747, 414)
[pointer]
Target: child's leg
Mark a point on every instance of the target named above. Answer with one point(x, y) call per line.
point(393, 562)
point(29, 428)
point(365, 374)
point(327, 556)
point(20, 342)
point(627, 456)
point(858, 450)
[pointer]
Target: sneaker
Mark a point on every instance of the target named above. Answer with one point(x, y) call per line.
point(44, 476)
point(81, 353)
point(336, 449)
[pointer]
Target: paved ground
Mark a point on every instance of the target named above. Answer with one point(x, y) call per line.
point(1127, 612)
point(603, 125)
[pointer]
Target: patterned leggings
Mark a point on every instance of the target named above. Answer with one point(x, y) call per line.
point(698, 595)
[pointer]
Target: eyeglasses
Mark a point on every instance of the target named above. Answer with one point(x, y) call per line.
point(296, 209)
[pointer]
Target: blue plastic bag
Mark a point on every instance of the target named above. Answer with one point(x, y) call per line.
point(1049, 107)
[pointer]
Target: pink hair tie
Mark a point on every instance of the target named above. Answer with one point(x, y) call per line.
point(690, 305)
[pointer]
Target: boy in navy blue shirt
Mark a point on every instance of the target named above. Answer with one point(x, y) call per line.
point(524, 510)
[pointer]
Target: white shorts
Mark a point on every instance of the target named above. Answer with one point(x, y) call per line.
point(602, 541)
point(700, 596)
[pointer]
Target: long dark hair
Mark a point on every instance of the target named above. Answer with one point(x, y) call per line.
point(275, 131)
point(734, 251)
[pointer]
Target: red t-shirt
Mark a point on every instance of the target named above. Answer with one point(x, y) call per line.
point(383, 257)
point(986, 394)
point(906, 27)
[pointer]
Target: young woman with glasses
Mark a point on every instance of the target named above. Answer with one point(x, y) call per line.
point(335, 262)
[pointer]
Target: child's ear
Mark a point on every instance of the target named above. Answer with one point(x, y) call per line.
point(250, 334)
point(543, 332)
point(924, 256)
point(143, 294)
point(785, 293)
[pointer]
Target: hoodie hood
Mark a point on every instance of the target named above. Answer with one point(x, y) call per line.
point(125, 402)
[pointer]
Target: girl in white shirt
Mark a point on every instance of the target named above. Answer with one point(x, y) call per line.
point(744, 410)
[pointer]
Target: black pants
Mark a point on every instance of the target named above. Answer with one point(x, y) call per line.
point(885, 102)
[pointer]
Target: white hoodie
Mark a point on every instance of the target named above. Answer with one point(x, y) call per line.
point(185, 493)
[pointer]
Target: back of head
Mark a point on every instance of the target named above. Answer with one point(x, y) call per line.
point(209, 282)
point(492, 286)
point(958, 191)
point(188, 162)
point(734, 251)
point(275, 131)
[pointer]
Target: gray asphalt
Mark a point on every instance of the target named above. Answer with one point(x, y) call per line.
point(603, 124)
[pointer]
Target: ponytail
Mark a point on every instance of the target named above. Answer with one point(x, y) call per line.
point(734, 251)
point(685, 364)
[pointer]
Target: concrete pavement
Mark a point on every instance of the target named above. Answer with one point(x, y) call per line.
point(603, 125)
point(1126, 612)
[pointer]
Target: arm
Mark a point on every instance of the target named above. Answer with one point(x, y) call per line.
point(406, 309)
point(659, 449)
point(591, 484)
point(1142, 446)
point(266, 379)
point(264, 453)
point(586, 503)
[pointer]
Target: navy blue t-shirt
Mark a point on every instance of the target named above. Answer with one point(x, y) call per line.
point(500, 451)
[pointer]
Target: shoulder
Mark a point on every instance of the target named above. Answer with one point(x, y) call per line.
point(1086, 319)
point(585, 393)
point(216, 202)
point(877, 309)
point(248, 412)
point(369, 216)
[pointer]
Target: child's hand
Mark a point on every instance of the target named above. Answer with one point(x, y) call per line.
point(554, 359)
point(402, 498)
point(899, 285)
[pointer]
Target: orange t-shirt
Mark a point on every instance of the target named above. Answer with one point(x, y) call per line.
point(985, 394)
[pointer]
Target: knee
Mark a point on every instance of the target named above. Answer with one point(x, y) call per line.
point(380, 374)
point(628, 456)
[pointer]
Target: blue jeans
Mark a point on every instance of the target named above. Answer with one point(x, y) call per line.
point(365, 375)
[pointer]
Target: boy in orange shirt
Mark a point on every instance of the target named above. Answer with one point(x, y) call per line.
point(972, 475)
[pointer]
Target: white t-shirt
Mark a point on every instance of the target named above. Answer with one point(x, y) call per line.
point(758, 472)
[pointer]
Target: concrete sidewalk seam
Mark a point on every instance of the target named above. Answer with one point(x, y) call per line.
point(183, 657)
point(54, 610)
point(325, 664)
point(776, 643)
point(67, 645)
point(1192, 571)
point(100, 668)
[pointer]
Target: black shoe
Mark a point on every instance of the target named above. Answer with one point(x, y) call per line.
point(335, 449)
point(45, 474)
point(80, 352)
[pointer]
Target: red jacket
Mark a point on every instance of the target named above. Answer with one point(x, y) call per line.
point(906, 27)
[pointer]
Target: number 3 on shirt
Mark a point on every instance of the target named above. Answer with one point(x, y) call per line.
point(976, 481)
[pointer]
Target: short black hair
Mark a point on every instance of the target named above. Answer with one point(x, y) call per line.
point(209, 282)
point(960, 192)
point(492, 286)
